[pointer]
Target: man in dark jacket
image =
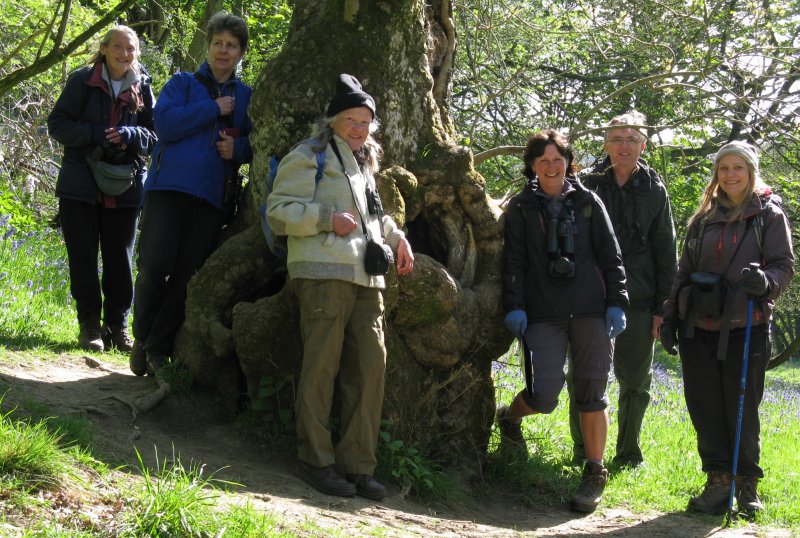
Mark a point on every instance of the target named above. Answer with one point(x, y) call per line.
point(638, 205)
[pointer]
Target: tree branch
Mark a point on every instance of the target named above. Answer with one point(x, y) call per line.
point(56, 55)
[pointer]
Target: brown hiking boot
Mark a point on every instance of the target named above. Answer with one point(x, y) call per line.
point(89, 337)
point(747, 495)
point(715, 495)
point(593, 482)
point(511, 438)
point(117, 336)
point(325, 479)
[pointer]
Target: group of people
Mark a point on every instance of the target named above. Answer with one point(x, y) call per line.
point(590, 275)
point(197, 134)
point(109, 123)
point(589, 263)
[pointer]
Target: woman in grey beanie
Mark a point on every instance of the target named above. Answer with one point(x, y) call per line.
point(738, 248)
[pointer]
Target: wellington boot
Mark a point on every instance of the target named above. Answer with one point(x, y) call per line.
point(89, 337)
point(715, 495)
point(747, 496)
point(593, 483)
point(138, 359)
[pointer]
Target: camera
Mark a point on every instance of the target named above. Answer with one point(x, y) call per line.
point(374, 202)
point(561, 246)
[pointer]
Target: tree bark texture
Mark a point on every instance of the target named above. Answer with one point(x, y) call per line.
point(444, 321)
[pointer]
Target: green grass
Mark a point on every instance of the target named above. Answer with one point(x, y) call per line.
point(671, 473)
point(34, 287)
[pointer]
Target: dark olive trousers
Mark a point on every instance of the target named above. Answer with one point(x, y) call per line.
point(341, 325)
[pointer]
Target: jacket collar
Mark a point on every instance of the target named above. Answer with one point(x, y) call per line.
point(642, 179)
point(100, 79)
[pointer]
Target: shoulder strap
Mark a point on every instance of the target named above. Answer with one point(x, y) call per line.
point(344, 169)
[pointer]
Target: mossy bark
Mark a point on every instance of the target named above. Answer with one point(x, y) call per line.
point(444, 321)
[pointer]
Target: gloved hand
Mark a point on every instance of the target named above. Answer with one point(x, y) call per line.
point(615, 321)
point(126, 133)
point(669, 338)
point(754, 281)
point(516, 321)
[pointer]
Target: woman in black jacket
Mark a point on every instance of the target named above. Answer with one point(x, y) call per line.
point(105, 113)
point(563, 285)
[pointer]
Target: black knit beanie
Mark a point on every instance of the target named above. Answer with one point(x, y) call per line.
point(349, 95)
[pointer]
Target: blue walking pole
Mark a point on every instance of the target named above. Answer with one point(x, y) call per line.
point(745, 358)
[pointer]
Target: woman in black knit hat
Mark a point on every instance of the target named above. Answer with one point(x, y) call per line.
point(330, 213)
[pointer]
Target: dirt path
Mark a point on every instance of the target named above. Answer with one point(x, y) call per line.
point(197, 428)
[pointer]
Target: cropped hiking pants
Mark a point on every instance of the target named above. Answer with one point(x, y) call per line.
point(591, 350)
point(341, 325)
point(712, 397)
point(633, 369)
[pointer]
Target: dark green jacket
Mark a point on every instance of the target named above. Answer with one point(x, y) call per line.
point(642, 220)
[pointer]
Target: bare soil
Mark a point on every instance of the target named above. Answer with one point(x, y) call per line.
point(199, 429)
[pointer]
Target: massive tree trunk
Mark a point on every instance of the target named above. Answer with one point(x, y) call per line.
point(444, 321)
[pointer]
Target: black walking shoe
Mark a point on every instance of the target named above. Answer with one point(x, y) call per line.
point(155, 362)
point(325, 479)
point(89, 337)
point(117, 336)
point(367, 486)
point(138, 359)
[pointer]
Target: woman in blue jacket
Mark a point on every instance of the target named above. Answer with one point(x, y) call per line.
point(203, 128)
point(105, 112)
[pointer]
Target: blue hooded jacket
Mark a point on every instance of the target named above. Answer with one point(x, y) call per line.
point(188, 126)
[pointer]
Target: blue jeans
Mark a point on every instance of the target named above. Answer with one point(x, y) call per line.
point(179, 232)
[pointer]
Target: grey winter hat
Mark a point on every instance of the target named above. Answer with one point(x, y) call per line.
point(744, 150)
point(349, 95)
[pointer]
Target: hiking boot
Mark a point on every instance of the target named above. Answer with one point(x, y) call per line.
point(511, 438)
point(138, 359)
point(325, 479)
point(89, 337)
point(715, 495)
point(593, 482)
point(155, 362)
point(367, 486)
point(117, 336)
point(747, 495)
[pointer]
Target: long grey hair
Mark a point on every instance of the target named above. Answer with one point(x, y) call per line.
point(369, 154)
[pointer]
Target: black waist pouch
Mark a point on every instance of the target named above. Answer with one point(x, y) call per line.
point(707, 297)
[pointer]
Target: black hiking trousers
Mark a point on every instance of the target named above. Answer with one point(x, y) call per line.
point(178, 233)
point(711, 388)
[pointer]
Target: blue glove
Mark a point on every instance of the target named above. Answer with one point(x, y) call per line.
point(126, 133)
point(516, 321)
point(615, 321)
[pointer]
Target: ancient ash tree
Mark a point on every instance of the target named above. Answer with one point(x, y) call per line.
point(444, 321)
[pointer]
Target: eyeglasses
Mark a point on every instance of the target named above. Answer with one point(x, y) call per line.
point(618, 140)
point(350, 123)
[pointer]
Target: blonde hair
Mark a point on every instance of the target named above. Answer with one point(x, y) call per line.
point(714, 198)
point(100, 57)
